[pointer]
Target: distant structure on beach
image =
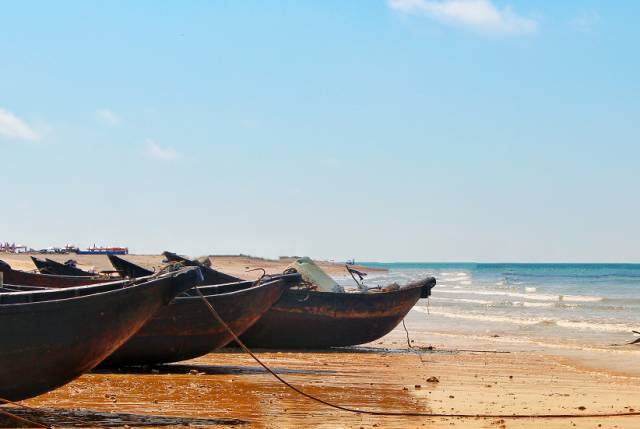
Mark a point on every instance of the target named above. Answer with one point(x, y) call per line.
point(7, 247)
point(69, 248)
point(103, 250)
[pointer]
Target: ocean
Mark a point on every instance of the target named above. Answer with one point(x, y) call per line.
point(556, 304)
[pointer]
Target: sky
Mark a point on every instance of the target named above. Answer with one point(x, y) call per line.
point(399, 130)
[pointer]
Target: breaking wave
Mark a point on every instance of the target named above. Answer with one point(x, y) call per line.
point(477, 317)
point(532, 296)
point(562, 323)
point(465, 300)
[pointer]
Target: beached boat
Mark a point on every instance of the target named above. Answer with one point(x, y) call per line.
point(211, 276)
point(128, 269)
point(304, 318)
point(40, 264)
point(49, 266)
point(51, 337)
point(16, 277)
point(185, 329)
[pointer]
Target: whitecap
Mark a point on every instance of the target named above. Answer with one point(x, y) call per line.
point(533, 304)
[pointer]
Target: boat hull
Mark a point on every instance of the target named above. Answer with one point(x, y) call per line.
point(185, 329)
point(23, 278)
point(211, 276)
point(49, 266)
point(46, 344)
point(325, 319)
point(128, 269)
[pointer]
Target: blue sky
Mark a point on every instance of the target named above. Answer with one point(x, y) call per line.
point(420, 130)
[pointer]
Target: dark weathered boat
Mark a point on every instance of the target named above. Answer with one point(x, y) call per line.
point(211, 276)
point(40, 264)
point(128, 269)
point(49, 266)
point(313, 319)
point(16, 277)
point(51, 337)
point(310, 319)
point(185, 329)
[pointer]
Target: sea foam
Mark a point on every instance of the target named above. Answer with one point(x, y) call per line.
point(567, 324)
point(531, 296)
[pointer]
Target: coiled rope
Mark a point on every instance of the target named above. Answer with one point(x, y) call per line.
point(219, 319)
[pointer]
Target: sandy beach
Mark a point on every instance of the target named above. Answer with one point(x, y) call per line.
point(475, 375)
point(385, 377)
point(238, 266)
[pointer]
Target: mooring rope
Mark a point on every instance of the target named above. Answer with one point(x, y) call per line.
point(219, 319)
point(407, 334)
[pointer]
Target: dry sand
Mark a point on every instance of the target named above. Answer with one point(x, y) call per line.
point(234, 265)
point(382, 376)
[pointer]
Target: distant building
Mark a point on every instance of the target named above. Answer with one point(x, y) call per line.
point(7, 247)
point(103, 250)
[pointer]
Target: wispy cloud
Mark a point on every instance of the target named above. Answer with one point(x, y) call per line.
point(481, 15)
point(13, 127)
point(108, 117)
point(155, 151)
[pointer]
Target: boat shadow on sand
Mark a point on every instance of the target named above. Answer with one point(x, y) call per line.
point(206, 369)
point(364, 349)
point(57, 417)
point(199, 369)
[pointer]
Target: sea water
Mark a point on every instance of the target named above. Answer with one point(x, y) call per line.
point(576, 304)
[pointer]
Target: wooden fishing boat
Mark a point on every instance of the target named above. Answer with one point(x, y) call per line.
point(304, 318)
point(40, 264)
point(310, 319)
point(51, 337)
point(49, 266)
point(16, 277)
point(211, 276)
point(185, 329)
point(128, 269)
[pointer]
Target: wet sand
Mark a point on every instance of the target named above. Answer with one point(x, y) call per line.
point(383, 376)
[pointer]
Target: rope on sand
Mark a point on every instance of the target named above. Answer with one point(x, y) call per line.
point(219, 319)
